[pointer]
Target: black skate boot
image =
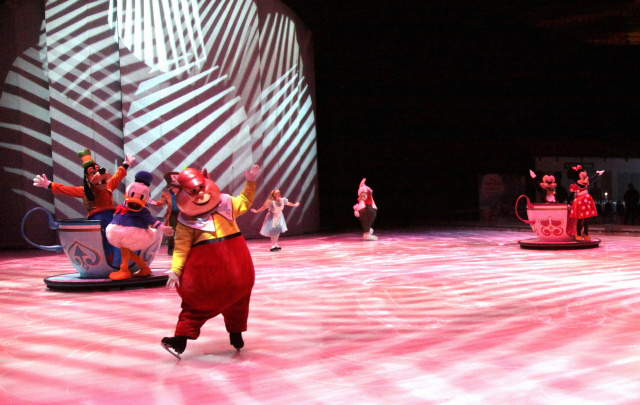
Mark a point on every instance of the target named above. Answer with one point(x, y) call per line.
point(175, 345)
point(236, 340)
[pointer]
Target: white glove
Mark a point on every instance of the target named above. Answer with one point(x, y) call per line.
point(167, 230)
point(252, 174)
point(41, 181)
point(174, 279)
point(600, 172)
point(296, 204)
point(532, 173)
point(129, 159)
point(355, 211)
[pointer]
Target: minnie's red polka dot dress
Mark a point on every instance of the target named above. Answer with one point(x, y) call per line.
point(583, 206)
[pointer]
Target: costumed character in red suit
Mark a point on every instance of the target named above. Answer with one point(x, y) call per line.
point(169, 199)
point(547, 187)
point(366, 210)
point(211, 267)
point(583, 206)
point(96, 193)
point(134, 228)
point(274, 223)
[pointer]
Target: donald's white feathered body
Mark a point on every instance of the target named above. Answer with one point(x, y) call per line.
point(134, 228)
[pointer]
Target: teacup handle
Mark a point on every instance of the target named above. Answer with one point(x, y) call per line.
point(52, 224)
point(526, 221)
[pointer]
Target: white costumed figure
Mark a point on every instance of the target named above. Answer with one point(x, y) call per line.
point(134, 228)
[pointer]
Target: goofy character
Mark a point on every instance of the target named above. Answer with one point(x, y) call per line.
point(96, 194)
point(211, 267)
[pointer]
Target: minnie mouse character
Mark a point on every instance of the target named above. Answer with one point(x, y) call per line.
point(583, 206)
point(547, 187)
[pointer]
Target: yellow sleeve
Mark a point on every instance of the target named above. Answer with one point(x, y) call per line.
point(243, 202)
point(183, 241)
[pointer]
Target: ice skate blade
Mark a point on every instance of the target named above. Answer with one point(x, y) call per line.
point(170, 350)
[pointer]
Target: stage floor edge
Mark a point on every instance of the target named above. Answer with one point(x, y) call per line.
point(72, 282)
point(535, 243)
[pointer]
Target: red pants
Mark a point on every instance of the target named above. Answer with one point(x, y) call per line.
point(217, 279)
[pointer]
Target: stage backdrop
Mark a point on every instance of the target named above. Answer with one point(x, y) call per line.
point(218, 84)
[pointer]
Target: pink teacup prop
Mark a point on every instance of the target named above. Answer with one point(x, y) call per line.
point(550, 222)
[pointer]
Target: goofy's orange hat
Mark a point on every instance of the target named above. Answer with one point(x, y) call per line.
point(87, 160)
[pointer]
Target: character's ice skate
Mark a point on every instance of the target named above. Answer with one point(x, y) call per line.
point(368, 236)
point(175, 345)
point(144, 271)
point(235, 339)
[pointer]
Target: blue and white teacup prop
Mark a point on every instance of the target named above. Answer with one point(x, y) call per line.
point(81, 240)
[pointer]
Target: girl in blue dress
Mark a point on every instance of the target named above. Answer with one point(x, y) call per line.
point(274, 223)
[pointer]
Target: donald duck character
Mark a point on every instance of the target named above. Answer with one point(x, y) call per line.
point(134, 228)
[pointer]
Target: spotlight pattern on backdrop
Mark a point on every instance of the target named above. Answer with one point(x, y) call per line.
point(214, 84)
point(151, 31)
point(84, 91)
point(25, 123)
